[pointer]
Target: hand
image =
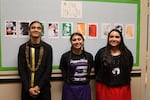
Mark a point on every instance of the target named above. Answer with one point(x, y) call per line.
point(37, 89)
point(34, 92)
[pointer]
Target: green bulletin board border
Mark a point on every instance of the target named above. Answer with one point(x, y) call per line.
point(14, 68)
point(115, 1)
point(0, 44)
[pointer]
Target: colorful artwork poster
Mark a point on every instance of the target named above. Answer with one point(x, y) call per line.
point(129, 31)
point(53, 28)
point(93, 29)
point(81, 28)
point(10, 27)
point(66, 29)
point(23, 28)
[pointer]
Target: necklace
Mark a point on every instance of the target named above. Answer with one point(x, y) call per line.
point(41, 52)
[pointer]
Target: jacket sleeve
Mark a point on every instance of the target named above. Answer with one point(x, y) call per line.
point(22, 68)
point(46, 76)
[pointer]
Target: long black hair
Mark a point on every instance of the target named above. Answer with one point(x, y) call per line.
point(107, 58)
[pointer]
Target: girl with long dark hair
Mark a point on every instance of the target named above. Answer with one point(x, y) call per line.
point(113, 66)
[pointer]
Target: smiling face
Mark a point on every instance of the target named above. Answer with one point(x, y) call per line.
point(114, 39)
point(35, 30)
point(77, 42)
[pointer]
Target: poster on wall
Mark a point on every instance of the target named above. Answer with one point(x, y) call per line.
point(67, 29)
point(81, 28)
point(10, 29)
point(23, 28)
point(71, 9)
point(53, 29)
point(92, 30)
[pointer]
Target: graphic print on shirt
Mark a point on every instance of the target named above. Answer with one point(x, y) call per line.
point(115, 69)
point(79, 70)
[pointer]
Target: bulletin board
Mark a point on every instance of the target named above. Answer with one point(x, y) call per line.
point(80, 15)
